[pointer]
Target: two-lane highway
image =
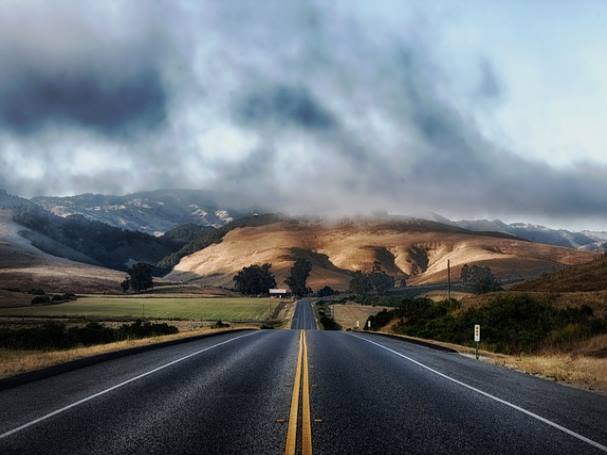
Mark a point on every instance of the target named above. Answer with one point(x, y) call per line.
point(304, 317)
point(299, 391)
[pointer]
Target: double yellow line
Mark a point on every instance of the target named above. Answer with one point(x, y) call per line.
point(306, 424)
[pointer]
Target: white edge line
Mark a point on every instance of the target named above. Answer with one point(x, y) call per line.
point(114, 387)
point(493, 397)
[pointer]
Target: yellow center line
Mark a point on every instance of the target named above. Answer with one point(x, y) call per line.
point(306, 425)
point(306, 421)
point(292, 432)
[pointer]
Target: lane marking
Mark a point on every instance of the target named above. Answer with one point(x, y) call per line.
point(117, 386)
point(493, 397)
point(292, 431)
point(306, 425)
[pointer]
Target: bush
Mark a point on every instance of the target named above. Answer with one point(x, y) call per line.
point(41, 300)
point(509, 324)
point(326, 291)
point(380, 319)
point(220, 325)
point(57, 336)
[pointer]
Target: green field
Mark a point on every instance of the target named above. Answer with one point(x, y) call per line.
point(196, 308)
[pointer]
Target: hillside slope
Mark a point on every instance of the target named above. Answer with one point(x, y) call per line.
point(23, 266)
point(412, 249)
point(591, 276)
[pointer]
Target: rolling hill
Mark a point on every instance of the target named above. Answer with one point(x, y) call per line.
point(416, 250)
point(24, 266)
point(588, 277)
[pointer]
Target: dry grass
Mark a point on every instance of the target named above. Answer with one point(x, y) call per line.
point(582, 371)
point(347, 315)
point(585, 366)
point(596, 300)
point(16, 361)
point(403, 249)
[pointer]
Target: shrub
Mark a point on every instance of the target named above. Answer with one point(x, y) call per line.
point(220, 325)
point(57, 336)
point(41, 300)
point(510, 324)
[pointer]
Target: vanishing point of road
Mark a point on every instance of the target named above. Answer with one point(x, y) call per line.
point(299, 391)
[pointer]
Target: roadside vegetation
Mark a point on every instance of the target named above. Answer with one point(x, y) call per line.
point(325, 316)
point(510, 324)
point(52, 335)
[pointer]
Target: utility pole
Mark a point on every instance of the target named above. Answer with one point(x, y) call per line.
point(449, 279)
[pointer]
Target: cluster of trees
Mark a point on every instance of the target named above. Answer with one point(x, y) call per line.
point(376, 282)
point(258, 279)
point(139, 279)
point(479, 279)
point(255, 279)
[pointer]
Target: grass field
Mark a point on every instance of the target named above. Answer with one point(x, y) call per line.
point(109, 307)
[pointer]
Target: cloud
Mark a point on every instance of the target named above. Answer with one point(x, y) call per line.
point(284, 106)
point(108, 103)
point(303, 107)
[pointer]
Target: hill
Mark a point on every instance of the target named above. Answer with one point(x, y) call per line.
point(591, 276)
point(152, 212)
point(23, 266)
point(416, 250)
point(96, 242)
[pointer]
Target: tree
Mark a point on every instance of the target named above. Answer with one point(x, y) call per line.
point(359, 284)
point(380, 281)
point(479, 279)
point(254, 279)
point(299, 274)
point(326, 291)
point(376, 282)
point(141, 276)
point(125, 284)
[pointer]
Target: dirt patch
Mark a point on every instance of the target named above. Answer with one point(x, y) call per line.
point(348, 314)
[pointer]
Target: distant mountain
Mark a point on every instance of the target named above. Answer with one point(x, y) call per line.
point(585, 240)
point(152, 212)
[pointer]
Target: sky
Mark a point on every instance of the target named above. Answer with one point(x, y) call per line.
point(468, 109)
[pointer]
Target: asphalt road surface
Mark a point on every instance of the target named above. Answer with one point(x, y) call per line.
point(304, 318)
point(299, 391)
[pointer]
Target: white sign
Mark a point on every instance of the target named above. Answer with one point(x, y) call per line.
point(477, 333)
point(369, 324)
point(357, 324)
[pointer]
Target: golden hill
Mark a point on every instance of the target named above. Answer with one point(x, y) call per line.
point(587, 277)
point(411, 249)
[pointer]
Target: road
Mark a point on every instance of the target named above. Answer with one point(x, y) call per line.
point(299, 391)
point(304, 318)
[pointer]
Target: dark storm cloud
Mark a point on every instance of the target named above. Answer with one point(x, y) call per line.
point(312, 109)
point(283, 105)
point(99, 100)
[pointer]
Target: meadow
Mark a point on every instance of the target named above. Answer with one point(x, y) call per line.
point(232, 309)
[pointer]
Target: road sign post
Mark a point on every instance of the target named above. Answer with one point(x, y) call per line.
point(477, 337)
